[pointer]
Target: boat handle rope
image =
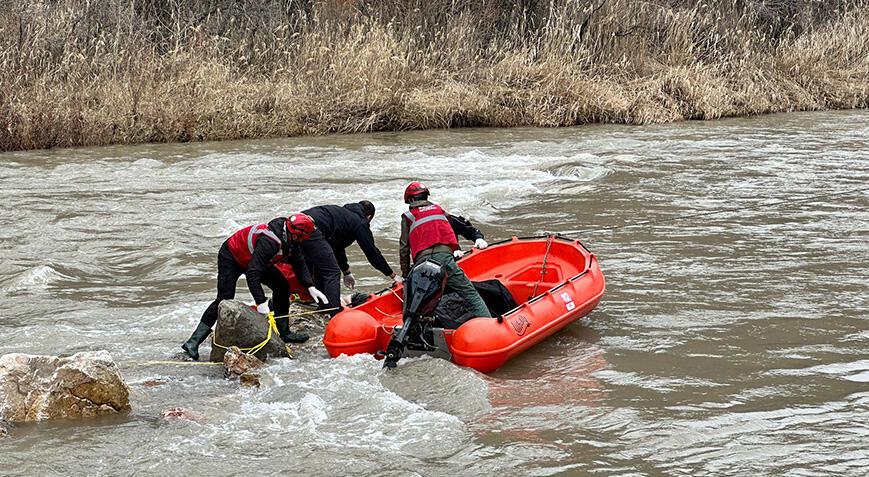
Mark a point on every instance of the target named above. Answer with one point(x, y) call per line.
point(543, 268)
point(396, 295)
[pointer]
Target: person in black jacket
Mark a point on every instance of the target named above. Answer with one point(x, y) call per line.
point(337, 228)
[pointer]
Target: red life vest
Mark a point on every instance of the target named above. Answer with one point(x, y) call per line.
point(296, 287)
point(429, 226)
point(242, 243)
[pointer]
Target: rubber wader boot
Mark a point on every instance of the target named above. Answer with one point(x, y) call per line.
point(288, 336)
point(191, 347)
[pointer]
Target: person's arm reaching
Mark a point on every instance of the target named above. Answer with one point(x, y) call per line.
point(366, 242)
point(300, 268)
point(462, 226)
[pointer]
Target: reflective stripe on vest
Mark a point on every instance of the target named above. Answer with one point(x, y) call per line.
point(256, 230)
point(436, 229)
point(243, 243)
point(415, 223)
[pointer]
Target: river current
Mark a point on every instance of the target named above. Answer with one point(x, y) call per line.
point(733, 343)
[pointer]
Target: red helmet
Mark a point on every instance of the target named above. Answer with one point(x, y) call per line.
point(414, 189)
point(300, 227)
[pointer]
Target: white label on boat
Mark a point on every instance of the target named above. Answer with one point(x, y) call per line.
point(568, 300)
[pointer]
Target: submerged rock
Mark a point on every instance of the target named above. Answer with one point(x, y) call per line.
point(238, 325)
point(177, 414)
point(5, 429)
point(35, 388)
point(249, 380)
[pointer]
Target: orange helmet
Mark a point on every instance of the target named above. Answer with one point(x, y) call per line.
point(300, 227)
point(414, 189)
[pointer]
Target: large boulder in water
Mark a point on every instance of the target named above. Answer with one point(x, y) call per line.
point(35, 388)
point(239, 325)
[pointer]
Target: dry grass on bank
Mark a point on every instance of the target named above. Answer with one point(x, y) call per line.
point(76, 72)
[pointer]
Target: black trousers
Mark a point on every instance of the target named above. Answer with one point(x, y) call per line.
point(324, 269)
point(228, 273)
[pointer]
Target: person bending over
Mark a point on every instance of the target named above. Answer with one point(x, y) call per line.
point(253, 251)
point(325, 252)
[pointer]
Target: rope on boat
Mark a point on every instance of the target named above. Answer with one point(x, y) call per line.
point(396, 295)
point(543, 268)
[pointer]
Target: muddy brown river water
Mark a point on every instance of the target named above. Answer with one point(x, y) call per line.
point(734, 343)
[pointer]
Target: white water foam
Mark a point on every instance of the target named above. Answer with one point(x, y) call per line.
point(34, 279)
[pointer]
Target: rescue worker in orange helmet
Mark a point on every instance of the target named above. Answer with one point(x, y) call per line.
point(253, 251)
point(428, 232)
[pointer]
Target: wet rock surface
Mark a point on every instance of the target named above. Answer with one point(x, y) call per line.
point(242, 366)
point(251, 380)
point(35, 388)
point(5, 429)
point(238, 325)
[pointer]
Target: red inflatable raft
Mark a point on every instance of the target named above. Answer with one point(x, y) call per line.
point(556, 281)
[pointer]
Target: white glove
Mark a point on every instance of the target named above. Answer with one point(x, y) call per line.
point(350, 281)
point(458, 253)
point(318, 296)
point(397, 279)
point(480, 243)
point(263, 308)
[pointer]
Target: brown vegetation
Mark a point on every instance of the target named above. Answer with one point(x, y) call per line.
point(77, 72)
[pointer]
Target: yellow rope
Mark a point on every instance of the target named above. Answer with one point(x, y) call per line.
point(302, 313)
point(151, 363)
point(273, 326)
point(253, 349)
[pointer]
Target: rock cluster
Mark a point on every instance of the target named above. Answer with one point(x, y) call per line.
point(242, 365)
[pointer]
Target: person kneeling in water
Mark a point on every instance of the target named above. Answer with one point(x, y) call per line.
point(253, 251)
point(427, 232)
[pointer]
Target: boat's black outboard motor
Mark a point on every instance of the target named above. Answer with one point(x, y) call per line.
point(423, 289)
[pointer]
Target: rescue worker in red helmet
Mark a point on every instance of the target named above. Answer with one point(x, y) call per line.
point(253, 251)
point(429, 232)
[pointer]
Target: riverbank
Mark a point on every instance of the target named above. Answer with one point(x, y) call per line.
point(75, 73)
